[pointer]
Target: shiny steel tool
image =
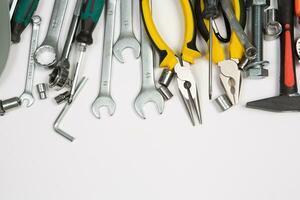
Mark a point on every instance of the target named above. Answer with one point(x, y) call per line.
point(104, 98)
point(47, 54)
point(231, 78)
point(272, 27)
point(211, 11)
point(149, 92)
point(60, 74)
point(90, 15)
point(289, 98)
point(27, 95)
point(180, 63)
point(189, 91)
point(9, 104)
point(250, 50)
point(57, 124)
point(127, 38)
point(5, 34)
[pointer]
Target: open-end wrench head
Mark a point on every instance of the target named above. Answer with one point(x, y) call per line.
point(101, 102)
point(27, 99)
point(46, 56)
point(125, 43)
point(147, 96)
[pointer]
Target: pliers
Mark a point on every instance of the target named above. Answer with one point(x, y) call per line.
point(228, 61)
point(179, 63)
point(236, 49)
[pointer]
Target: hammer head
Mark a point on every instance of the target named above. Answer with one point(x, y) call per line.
point(282, 103)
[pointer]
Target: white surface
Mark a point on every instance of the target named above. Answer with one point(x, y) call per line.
point(241, 154)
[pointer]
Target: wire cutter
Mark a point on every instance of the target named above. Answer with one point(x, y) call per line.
point(179, 63)
point(228, 61)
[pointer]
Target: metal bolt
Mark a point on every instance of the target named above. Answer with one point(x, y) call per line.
point(256, 67)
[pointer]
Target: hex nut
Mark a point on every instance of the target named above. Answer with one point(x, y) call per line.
point(265, 3)
point(257, 73)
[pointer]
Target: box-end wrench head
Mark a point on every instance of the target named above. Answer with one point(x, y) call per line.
point(27, 95)
point(250, 50)
point(127, 38)
point(47, 54)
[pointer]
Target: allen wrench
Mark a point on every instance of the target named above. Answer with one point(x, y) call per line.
point(57, 123)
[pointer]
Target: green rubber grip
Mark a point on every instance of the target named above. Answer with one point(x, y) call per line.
point(90, 15)
point(22, 17)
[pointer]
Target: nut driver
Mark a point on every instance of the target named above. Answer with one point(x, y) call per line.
point(91, 12)
point(289, 98)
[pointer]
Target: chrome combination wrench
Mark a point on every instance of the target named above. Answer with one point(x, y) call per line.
point(104, 98)
point(149, 92)
point(127, 39)
point(27, 95)
point(47, 54)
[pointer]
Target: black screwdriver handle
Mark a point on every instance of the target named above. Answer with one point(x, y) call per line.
point(288, 80)
point(211, 9)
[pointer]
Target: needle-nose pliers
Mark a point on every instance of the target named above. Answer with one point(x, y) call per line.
point(179, 63)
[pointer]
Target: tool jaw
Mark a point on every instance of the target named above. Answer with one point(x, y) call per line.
point(230, 76)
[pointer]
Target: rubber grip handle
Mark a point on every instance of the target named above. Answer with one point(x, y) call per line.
point(90, 15)
point(211, 9)
point(297, 8)
point(168, 57)
point(189, 49)
point(22, 17)
point(288, 80)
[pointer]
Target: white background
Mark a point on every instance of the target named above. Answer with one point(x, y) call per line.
point(241, 154)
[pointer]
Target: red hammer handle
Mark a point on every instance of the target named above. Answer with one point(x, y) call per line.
point(288, 80)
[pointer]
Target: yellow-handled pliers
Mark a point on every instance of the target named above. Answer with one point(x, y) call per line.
point(228, 59)
point(178, 63)
point(235, 47)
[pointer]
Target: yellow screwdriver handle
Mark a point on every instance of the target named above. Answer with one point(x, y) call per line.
point(236, 48)
point(168, 57)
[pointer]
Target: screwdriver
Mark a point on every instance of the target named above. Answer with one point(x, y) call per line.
point(210, 12)
point(21, 18)
point(90, 15)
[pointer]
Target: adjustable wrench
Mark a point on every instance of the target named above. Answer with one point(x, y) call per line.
point(104, 98)
point(148, 92)
point(27, 94)
point(127, 38)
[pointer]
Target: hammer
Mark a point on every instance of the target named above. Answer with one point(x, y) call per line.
point(289, 98)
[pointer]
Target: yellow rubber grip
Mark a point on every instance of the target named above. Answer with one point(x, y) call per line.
point(236, 49)
point(168, 57)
